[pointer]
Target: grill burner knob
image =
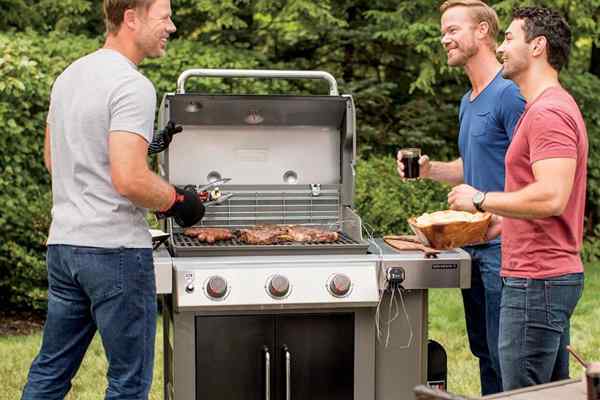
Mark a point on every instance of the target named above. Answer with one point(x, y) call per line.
point(339, 285)
point(189, 288)
point(278, 286)
point(216, 287)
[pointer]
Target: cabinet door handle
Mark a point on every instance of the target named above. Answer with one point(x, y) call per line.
point(267, 373)
point(288, 373)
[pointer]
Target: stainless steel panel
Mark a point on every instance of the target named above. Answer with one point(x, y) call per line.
point(255, 155)
point(163, 271)
point(451, 269)
point(247, 284)
point(401, 365)
point(258, 111)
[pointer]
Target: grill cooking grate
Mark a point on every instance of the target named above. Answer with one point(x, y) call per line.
point(186, 246)
point(182, 240)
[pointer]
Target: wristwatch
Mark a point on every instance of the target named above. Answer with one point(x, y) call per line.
point(478, 199)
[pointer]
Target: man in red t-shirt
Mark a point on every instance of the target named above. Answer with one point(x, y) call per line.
point(543, 204)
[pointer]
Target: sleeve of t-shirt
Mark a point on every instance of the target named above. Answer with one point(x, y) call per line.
point(512, 105)
point(133, 104)
point(551, 135)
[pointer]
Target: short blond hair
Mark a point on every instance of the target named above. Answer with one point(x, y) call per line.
point(114, 10)
point(480, 12)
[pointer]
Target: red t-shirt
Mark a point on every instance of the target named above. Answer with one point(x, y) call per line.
point(551, 127)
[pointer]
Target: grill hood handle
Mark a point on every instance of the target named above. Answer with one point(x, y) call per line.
point(256, 73)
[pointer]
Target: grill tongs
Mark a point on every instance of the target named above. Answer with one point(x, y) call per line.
point(211, 194)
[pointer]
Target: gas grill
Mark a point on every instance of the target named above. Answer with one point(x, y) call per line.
point(287, 320)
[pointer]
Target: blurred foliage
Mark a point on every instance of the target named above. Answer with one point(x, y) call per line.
point(29, 63)
point(386, 53)
point(385, 202)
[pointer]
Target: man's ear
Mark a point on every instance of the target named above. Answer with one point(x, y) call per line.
point(130, 19)
point(483, 29)
point(539, 46)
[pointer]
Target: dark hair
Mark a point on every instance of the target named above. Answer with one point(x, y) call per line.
point(550, 24)
point(115, 9)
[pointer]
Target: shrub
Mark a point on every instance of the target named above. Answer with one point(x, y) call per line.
point(28, 66)
point(385, 202)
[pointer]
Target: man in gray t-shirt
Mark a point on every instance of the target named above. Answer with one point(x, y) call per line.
point(100, 269)
point(101, 94)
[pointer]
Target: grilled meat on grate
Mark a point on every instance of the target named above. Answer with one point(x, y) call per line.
point(209, 235)
point(306, 234)
point(272, 234)
point(265, 234)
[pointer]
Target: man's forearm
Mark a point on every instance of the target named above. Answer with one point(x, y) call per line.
point(148, 190)
point(533, 201)
point(447, 172)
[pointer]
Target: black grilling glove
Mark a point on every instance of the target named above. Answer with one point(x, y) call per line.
point(187, 210)
point(163, 138)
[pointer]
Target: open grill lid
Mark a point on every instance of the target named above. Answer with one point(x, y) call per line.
point(261, 139)
point(290, 158)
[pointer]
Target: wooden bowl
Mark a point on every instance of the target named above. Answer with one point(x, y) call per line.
point(449, 235)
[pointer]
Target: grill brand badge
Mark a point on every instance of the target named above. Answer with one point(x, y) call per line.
point(444, 266)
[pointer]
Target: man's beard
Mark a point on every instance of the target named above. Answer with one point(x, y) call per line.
point(464, 57)
point(511, 71)
point(150, 46)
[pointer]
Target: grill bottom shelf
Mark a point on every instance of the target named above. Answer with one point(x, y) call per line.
point(185, 246)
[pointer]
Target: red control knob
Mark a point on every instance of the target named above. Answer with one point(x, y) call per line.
point(278, 286)
point(340, 285)
point(216, 287)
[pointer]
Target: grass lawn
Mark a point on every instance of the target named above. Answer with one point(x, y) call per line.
point(447, 326)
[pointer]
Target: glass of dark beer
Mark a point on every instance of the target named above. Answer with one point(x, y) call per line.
point(410, 161)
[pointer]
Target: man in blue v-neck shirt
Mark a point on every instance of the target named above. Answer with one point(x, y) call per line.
point(488, 114)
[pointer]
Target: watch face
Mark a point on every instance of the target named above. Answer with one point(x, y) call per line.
point(478, 197)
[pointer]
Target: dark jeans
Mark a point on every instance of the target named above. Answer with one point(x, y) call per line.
point(534, 329)
point(482, 313)
point(109, 290)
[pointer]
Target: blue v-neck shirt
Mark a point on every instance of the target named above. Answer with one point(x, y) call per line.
point(486, 128)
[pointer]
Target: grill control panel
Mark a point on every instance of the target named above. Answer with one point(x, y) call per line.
point(246, 285)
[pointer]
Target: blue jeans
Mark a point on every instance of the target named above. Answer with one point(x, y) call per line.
point(534, 329)
point(482, 313)
point(109, 290)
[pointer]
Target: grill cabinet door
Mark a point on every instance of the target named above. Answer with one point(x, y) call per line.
point(231, 353)
point(321, 353)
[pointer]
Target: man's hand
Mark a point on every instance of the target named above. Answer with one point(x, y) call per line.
point(424, 166)
point(460, 198)
point(186, 208)
point(495, 228)
point(163, 138)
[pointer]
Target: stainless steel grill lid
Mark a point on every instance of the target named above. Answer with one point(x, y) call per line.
point(290, 160)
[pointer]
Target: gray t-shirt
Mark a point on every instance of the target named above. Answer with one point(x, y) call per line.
point(97, 94)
